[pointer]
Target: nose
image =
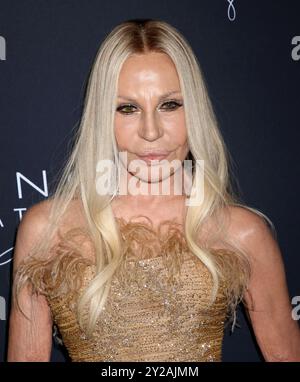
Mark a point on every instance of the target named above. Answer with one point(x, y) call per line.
point(150, 128)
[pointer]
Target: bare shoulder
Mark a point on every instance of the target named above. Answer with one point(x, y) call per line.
point(36, 220)
point(253, 232)
point(30, 228)
point(39, 213)
point(244, 227)
point(245, 222)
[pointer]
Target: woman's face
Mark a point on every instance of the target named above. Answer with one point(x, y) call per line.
point(150, 113)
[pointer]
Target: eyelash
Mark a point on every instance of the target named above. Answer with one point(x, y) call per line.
point(177, 103)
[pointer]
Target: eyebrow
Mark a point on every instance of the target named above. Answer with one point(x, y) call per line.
point(160, 98)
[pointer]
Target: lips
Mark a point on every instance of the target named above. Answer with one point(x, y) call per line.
point(153, 156)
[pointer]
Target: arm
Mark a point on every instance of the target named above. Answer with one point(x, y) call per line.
point(29, 340)
point(268, 300)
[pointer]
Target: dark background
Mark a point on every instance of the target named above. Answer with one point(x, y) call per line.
point(252, 79)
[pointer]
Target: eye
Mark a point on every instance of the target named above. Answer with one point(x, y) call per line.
point(126, 109)
point(171, 105)
point(166, 106)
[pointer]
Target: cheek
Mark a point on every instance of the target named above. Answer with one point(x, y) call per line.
point(123, 132)
point(120, 137)
point(181, 134)
point(177, 136)
point(176, 129)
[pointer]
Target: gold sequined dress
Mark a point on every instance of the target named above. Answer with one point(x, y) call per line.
point(157, 305)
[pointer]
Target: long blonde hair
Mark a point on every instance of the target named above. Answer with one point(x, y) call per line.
point(95, 141)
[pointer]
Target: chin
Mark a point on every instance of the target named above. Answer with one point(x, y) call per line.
point(150, 173)
point(147, 178)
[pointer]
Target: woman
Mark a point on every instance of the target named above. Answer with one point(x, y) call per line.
point(131, 276)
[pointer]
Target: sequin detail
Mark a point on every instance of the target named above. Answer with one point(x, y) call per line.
point(157, 307)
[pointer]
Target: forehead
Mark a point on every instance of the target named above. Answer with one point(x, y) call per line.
point(148, 69)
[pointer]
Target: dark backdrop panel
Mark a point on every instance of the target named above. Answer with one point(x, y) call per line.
point(252, 70)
